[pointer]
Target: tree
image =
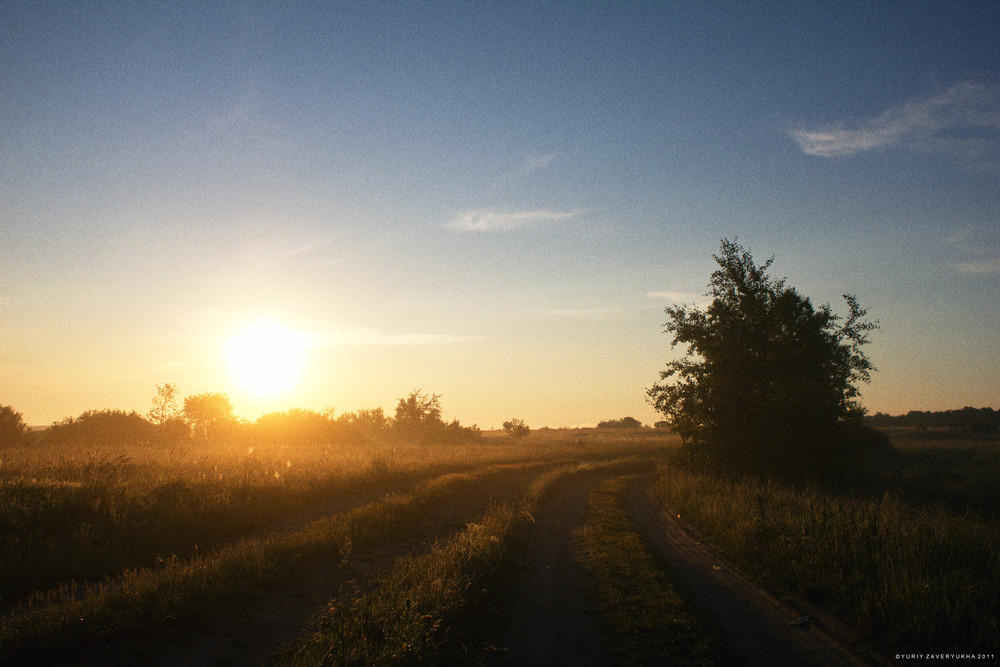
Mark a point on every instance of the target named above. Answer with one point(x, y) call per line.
point(370, 422)
point(209, 414)
point(418, 418)
point(164, 404)
point(13, 430)
point(101, 428)
point(768, 381)
point(516, 428)
point(417, 414)
point(294, 427)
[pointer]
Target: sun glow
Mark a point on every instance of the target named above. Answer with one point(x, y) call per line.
point(266, 358)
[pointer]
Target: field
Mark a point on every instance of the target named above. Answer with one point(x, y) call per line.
point(557, 547)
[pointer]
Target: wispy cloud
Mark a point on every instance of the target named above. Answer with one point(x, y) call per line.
point(533, 162)
point(964, 120)
point(981, 247)
point(680, 297)
point(493, 220)
point(981, 266)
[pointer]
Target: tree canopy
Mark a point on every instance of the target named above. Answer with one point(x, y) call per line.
point(768, 380)
point(209, 414)
point(13, 430)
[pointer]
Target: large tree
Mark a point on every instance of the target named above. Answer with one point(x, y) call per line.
point(768, 381)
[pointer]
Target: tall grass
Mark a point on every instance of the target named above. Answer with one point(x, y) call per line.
point(437, 608)
point(906, 573)
point(422, 612)
point(75, 514)
point(140, 596)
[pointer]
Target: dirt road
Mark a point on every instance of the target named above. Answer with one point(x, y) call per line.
point(554, 619)
point(556, 622)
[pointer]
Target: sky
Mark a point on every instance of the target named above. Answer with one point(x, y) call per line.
point(493, 202)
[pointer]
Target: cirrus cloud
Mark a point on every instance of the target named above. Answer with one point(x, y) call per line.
point(964, 120)
point(981, 266)
point(494, 220)
point(681, 297)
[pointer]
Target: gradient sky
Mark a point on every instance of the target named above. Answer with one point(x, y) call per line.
point(489, 201)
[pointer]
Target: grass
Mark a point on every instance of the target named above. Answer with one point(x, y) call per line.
point(142, 596)
point(71, 514)
point(910, 553)
point(422, 612)
point(649, 622)
point(101, 541)
point(439, 608)
point(906, 571)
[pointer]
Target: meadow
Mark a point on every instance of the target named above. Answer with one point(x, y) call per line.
point(907, 552)
point(103, 542)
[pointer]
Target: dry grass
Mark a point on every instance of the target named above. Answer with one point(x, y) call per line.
point(904, 569)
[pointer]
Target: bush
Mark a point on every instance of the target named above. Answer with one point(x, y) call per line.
point(624, 422)
point(96, 428)
point(516, 428)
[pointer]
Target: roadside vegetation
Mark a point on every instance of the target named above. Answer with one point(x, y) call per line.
point(110, 490)
point(909, 555)
point(141, 596)
point(104, 540)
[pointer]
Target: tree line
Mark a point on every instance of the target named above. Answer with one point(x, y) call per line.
point(209, 417)
point(966, 420)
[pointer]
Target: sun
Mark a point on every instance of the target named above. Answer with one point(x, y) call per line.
point(266, 358)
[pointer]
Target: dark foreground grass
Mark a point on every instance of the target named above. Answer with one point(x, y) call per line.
point(143, 596)
point(430, 610)
point(649, 622)
point(426, 610)
point(441, 608)
point(75, 513)
point(910, 574)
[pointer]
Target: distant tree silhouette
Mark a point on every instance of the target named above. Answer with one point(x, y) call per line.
point(978, 421)
point(417, 414)
point(210, 415)
point(97, 428)
point(624, 422)
point(768, 381)
point(13, 430)
point(295, 427)
point(418, 418)
point(370, 421)
point(516, 428)
point(164, 404)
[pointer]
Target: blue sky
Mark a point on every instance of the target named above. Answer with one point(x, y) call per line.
point(489, 201)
